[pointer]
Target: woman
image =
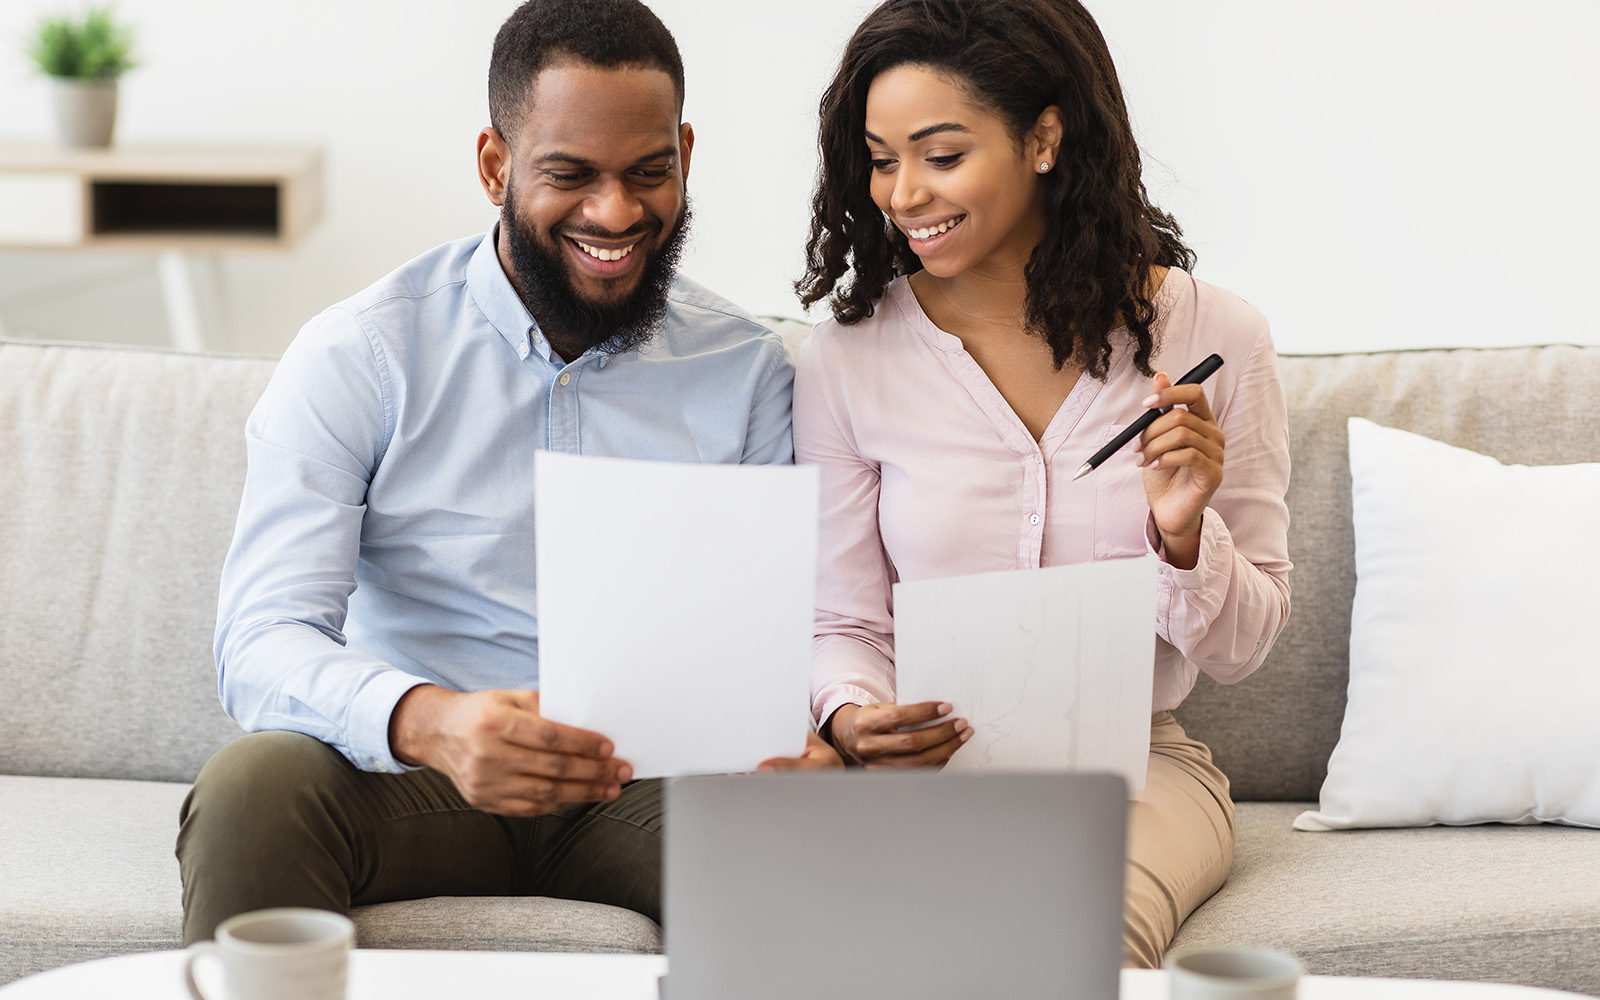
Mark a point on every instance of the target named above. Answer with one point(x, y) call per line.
point(1003, 295)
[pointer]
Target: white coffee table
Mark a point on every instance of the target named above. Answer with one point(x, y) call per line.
point(397, 975)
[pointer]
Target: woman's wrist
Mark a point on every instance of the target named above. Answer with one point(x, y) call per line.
point(1180, 548)
point(1181, 551)
point(835, 730)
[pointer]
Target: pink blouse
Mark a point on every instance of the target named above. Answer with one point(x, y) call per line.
point(927, 472)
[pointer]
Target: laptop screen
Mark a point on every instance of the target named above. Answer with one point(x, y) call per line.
point(885, 884)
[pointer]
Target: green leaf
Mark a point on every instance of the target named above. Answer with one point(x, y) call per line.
point(94, 47)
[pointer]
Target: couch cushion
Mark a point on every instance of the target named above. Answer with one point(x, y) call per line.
point(1496, 903)
point(118, 493)
point(518, 923)
point(1272, 734)
point(87, 871)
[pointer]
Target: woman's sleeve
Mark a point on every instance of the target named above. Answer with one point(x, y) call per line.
point(1224, 614)
point(853, 651)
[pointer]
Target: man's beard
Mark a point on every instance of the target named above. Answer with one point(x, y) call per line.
point(545, 278)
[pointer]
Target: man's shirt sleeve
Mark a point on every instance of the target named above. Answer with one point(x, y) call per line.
point(313, 442)
point(770, 438)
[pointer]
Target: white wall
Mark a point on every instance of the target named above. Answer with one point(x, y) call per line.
point(1371, 173)
point(1378, 173)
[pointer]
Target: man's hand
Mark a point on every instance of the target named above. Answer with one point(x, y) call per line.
point(500, 753)
point(817, 756)
point(876, 735)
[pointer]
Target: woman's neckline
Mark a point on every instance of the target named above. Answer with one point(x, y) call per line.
point(916, 309)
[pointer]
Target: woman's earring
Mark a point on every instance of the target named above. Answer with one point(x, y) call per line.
point(1044, 167)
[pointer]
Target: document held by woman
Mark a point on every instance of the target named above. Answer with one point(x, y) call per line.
point(1052, 666)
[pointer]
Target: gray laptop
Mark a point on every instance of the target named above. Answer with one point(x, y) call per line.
point(881, 885)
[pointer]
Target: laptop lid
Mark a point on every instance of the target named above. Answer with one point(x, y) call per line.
point(884, 884)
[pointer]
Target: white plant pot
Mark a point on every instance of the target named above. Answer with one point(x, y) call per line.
point(86, 111)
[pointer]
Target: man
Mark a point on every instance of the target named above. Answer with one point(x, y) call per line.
point(376, 630)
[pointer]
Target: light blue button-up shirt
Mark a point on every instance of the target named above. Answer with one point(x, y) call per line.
point(386, 534)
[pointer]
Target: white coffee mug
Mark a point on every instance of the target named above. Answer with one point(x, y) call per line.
point(1234, 974)
point(278, 954)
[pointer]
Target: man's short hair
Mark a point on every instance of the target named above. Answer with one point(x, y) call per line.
point(540, 33)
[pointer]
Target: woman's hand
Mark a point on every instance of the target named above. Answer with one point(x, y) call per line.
point(817, 756)
point(875, 735)
point(1181, 454)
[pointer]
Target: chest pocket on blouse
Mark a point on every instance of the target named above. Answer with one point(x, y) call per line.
point(1120, 508)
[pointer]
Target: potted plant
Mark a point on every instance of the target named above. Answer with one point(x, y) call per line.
point(84, 57)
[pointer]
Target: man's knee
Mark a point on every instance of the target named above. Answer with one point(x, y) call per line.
point(262, 778)
point(261, 827)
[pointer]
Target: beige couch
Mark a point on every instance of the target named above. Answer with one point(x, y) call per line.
point(119, 479)
point(1512, 904)
point(120, 473)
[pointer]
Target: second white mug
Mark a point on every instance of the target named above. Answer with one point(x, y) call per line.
point(1234, 974)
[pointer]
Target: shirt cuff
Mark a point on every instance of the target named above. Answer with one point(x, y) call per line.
point(1188, 600)
point(1187, 579)
point(367, 726)
point(835, 698)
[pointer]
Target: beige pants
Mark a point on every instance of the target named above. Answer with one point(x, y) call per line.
point(1180, 842)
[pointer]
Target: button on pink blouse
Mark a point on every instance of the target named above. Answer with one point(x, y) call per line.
point(927, 472)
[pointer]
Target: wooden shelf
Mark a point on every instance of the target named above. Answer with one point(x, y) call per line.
point(199, 198)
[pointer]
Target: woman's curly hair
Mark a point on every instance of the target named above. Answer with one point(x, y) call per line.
point(1015, 57)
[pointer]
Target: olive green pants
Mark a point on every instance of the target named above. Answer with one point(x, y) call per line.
point(1180, 842)
point(281, 819)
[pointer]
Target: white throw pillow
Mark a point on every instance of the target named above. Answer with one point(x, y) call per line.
point(1474, 641)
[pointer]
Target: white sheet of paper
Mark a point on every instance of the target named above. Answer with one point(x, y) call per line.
point(1053, 667)
point(675, 607)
